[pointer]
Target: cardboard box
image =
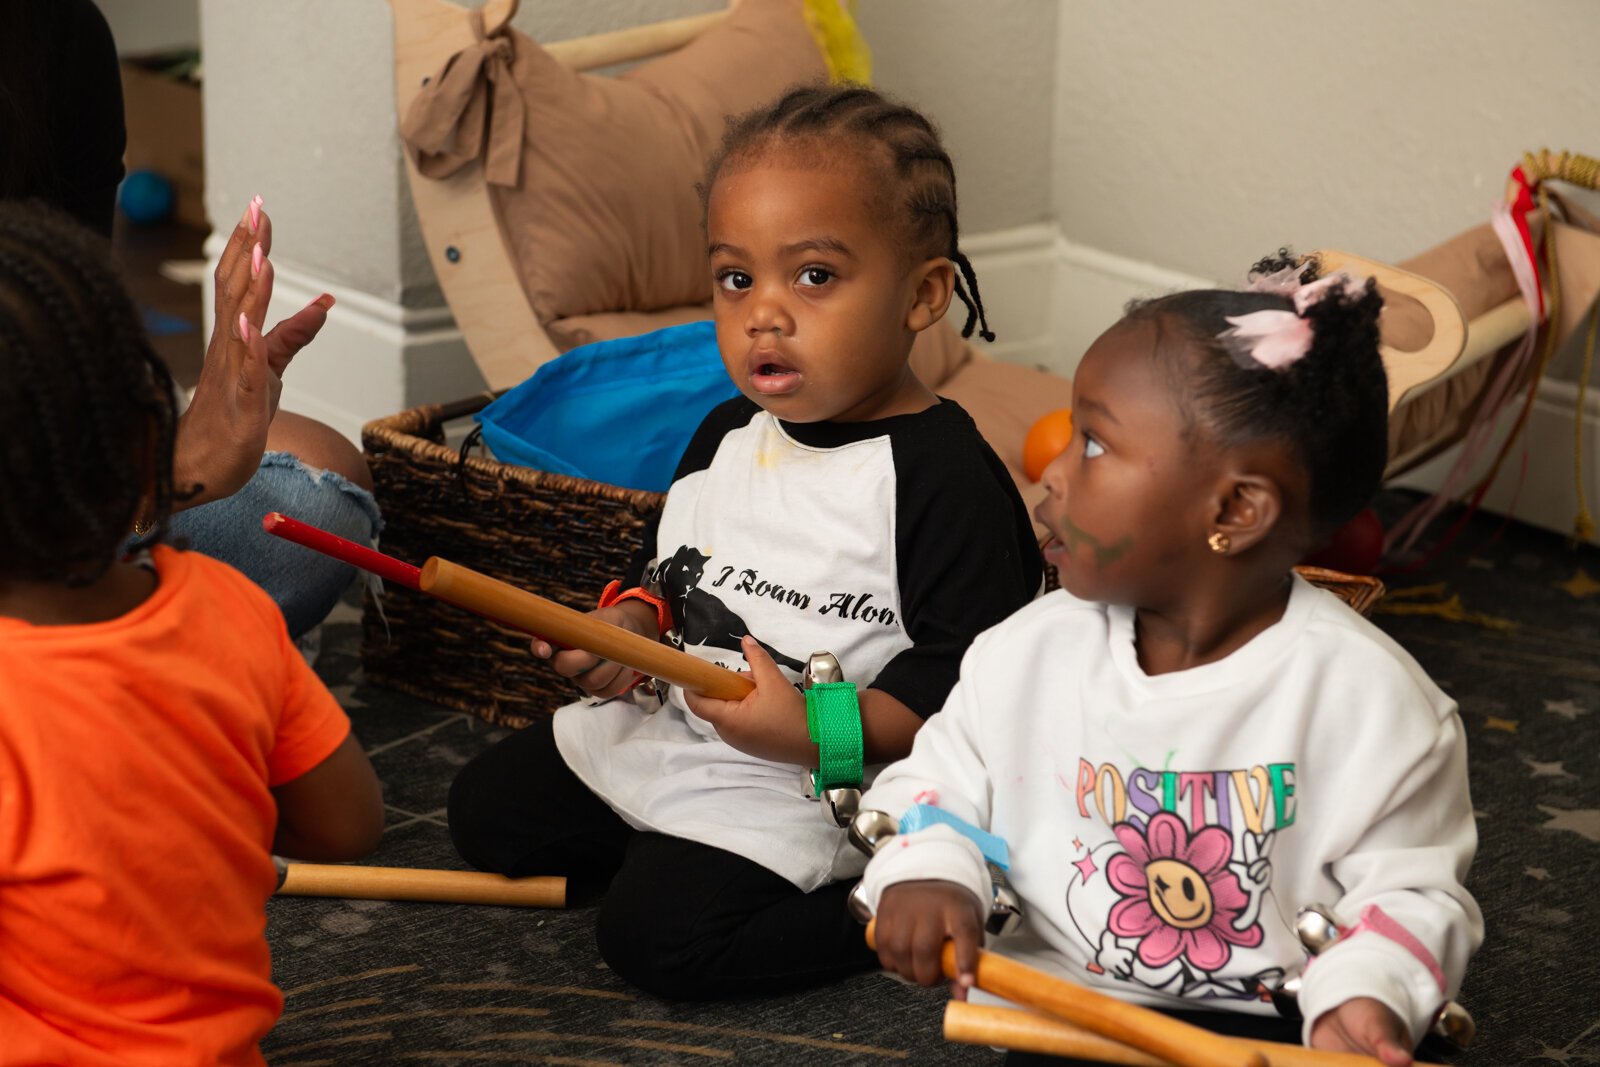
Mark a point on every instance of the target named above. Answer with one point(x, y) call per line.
point(164, 129)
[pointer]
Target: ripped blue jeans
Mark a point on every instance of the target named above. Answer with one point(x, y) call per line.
point(305, 584)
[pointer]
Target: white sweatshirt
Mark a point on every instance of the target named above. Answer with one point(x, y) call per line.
point(1164, 830)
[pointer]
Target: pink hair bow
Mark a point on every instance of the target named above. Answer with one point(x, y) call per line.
point(1277, 340)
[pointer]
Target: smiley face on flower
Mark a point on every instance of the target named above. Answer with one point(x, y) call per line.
point(1179, 897)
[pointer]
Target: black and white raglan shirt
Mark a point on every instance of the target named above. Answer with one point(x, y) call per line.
point(889, 543)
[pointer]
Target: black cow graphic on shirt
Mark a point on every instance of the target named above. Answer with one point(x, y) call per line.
point(702, 618)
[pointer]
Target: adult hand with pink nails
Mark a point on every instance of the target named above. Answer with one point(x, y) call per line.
point(223, 433)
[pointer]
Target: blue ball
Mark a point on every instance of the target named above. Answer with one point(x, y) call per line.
point(146, 197)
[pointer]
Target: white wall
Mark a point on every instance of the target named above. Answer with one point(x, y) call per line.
point(986, 74)
point(1200, 136)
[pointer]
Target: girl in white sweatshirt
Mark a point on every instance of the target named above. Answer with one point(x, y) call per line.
point(1188, 743)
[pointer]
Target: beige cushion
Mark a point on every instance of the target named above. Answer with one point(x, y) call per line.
point(606, 215)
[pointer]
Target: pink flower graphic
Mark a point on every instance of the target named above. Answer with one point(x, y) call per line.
point(1180, 899)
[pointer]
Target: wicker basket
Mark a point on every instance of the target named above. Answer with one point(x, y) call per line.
point(1357, 590)
point(561, 537)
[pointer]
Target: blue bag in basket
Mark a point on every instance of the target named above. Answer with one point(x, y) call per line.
point(619, 411)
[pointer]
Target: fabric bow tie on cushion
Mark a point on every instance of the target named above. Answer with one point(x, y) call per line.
point(448, 122)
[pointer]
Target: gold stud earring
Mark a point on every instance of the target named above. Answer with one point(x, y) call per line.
point(1219, 543)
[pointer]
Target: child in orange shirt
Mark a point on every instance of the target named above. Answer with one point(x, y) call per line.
point(160, 737)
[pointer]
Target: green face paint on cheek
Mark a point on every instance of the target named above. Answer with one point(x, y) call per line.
point(1104, 555)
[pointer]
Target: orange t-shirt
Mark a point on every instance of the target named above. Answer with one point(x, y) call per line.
point(136, 822)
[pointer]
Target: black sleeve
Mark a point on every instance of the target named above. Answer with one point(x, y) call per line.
point(967, 555)
point(722, 420)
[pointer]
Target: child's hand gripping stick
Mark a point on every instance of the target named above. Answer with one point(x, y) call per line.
point(870, 831)
point(1129, 1024)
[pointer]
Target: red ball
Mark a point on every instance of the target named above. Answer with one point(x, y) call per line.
point(1355, 548)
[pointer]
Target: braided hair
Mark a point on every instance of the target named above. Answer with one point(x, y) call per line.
point(1331, 406)
point(907, 148)
point(87, 405)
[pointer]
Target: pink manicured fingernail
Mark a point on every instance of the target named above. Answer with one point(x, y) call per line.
point(256, 259)
point(255, 214)
point(244, 326)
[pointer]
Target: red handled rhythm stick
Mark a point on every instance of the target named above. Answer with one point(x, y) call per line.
point(386, 567)
point(524, 611)
point(360, 556)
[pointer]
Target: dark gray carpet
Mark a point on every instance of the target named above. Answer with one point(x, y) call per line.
point(369, 982)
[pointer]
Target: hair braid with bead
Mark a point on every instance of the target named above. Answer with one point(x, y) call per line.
point(88, 407)
point(923, 178)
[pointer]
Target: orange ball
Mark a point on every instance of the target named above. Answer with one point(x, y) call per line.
point(1046, 440)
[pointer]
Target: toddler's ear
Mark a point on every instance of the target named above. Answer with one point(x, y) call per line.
point(1248, 508)
point(934, 282)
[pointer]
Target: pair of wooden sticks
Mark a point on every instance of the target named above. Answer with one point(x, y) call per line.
point(1068, 1019)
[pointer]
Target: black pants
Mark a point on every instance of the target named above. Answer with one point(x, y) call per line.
point(679, 919)
point(1255, 1027)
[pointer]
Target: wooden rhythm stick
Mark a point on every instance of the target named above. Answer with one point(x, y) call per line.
point(1124, 1023)
point(404, 883)
point(388, 568)
point(519, 609)
point(1028, 1031)
point(527, 611)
